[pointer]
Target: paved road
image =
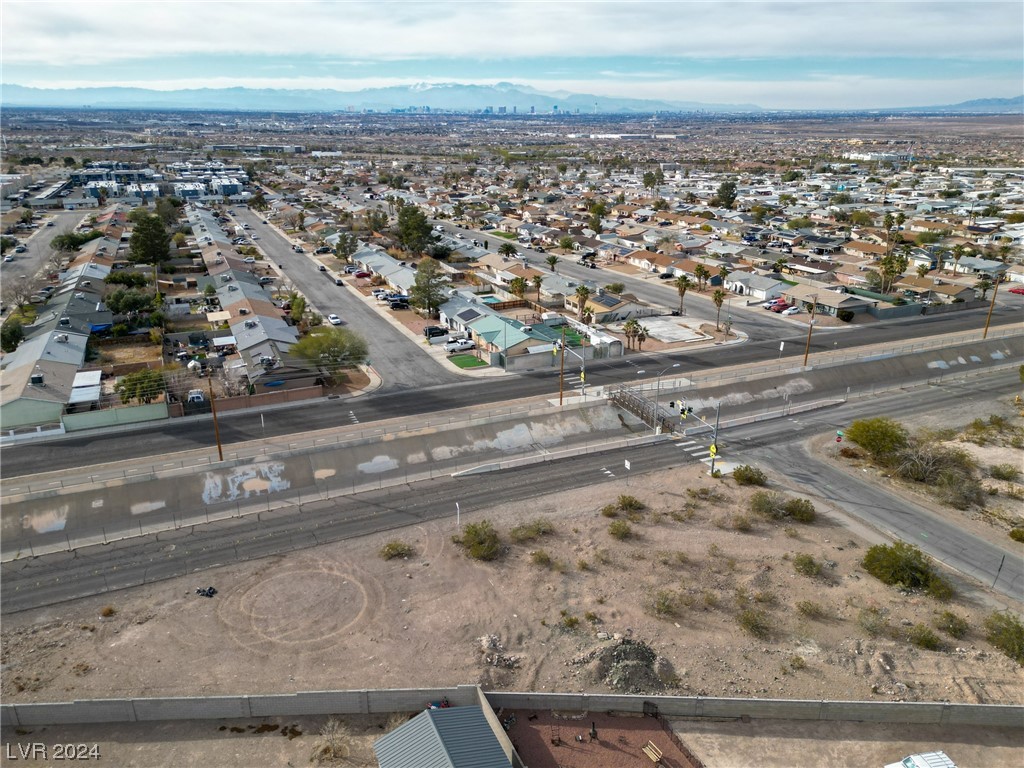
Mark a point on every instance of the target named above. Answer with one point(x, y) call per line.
point(394, 356)
point(56, 578)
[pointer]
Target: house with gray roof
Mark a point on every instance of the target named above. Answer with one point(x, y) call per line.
point(754, 286)
point(452, 737)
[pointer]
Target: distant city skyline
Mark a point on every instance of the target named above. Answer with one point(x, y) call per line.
point(779, 55)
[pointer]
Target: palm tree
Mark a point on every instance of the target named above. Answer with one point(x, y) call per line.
point(588, 316)
point(552, 260)
point(682, 283)
point(582, 297)
point(507, 249)
point(959, 251)
point(702, 274)
point(923, 270)
point(537, 281)
point(984, 285)
point(723, 272)
point(517, 287)
point(641, 336)
point(780, 264)
point(630, 329)
point(718, 297)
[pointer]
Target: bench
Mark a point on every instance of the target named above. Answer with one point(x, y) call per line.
point(653, 752)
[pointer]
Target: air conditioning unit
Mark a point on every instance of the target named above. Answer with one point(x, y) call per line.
point(62, 338)
point(243, 311)
point(36, 380)
point(251, 323)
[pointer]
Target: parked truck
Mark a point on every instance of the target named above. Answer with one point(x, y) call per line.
point(239, 231)
point(924, 760)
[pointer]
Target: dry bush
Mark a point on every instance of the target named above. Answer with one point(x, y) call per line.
point(531, 530)
point(333, 744)
point(396, 548)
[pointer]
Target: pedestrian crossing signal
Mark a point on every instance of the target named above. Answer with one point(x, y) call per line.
point(713, 450)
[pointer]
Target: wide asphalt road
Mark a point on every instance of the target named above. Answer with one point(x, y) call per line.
point(179, 435)
point(49, 579)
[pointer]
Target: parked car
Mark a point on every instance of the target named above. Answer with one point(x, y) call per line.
point(8, 259)
point(459, 345)
point(433, 331)
point(333, 319)
point(773, 303)
point(665, 276)
point(321, 268)
point(780, 307)
point(364, 274)
point(323, 249)
point(297, 248)
point(399, 304)
point(249, 260)
point(20, 249)
point(1018, 291)
point(791, 311)
point(51, 223)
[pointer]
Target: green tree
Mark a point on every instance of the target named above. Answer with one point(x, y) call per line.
point(650, 180)
point(144, 386)
point(984, 285)
point(346, 246)
point(258, 201)
point(565, 243)
point(890, 268)
point(330, 349)
point(428, 289)
point(881, 437)
point(800, 222)
point(726, 194)
point(959, 251)
point(11, 335)
point(862, 218)
point(69, 162)
point(167, 208)
point(149, 243)
point(297, 311)
point(682, 284)
point(630, 329)
point(440, 251)
point(923, 270)
point(126, 301)
point(552, 260)
point(507, 249)
point(792, 176)
point(641, 336)
point(594, 223)
point(616, 288)
point(376, 220)
point(718, 298)
point(517, 287)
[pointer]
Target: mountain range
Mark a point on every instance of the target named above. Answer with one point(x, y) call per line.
point(455, 97)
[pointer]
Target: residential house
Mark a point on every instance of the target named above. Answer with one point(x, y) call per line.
point(449, 737)
point(754, 286)
point(827, 302)
point(608, 307)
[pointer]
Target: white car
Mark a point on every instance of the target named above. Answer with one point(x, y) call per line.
point(459, 345)
point(333, 319)
point(249, 260)
point(791, 311)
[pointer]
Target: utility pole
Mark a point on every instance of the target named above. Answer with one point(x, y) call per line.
point(561, 371)
point(988, 317)
point(810, 327)
point(216, 426)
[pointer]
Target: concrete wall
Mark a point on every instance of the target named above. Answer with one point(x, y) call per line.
point(111, 417)
point(415, 699)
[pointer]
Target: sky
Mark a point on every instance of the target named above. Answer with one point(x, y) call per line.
point(819, 54)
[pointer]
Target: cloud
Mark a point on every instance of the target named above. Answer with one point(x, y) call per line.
point(107, 31)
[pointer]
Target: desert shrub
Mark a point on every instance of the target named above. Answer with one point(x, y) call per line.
point(1006, 633)
point(755, 622)
point(811, 609)
point(873, 621)
point(333, 744)
point(570, 622)
point(797, 662)
point(806, 565)
point(107, 611)
point(958, 490)
point(845, 315)
point(850, 452)
point(396, 548)
point(530, 531)
point(882, 438)
point(582, 565)
point(540, 557)
point(664, 604)
point(767, 503)
point(765, 597)
point(1017, 534)
point(630, 504)
point(953, 625)
point(741, 523)
point(610, 510)
point(1004, 472)
point(922, 636)
point(709, 599)
point(800, 510)
point(480, 541)
point(905, 565)
point(620, 529)
point(748, 475)
point(592, 617)
point(705, 494)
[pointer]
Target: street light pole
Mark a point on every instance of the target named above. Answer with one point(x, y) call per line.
point(714, 437)
point(988, 317)
point(810, 327)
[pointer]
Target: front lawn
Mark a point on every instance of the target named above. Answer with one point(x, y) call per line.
point(466, 361)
